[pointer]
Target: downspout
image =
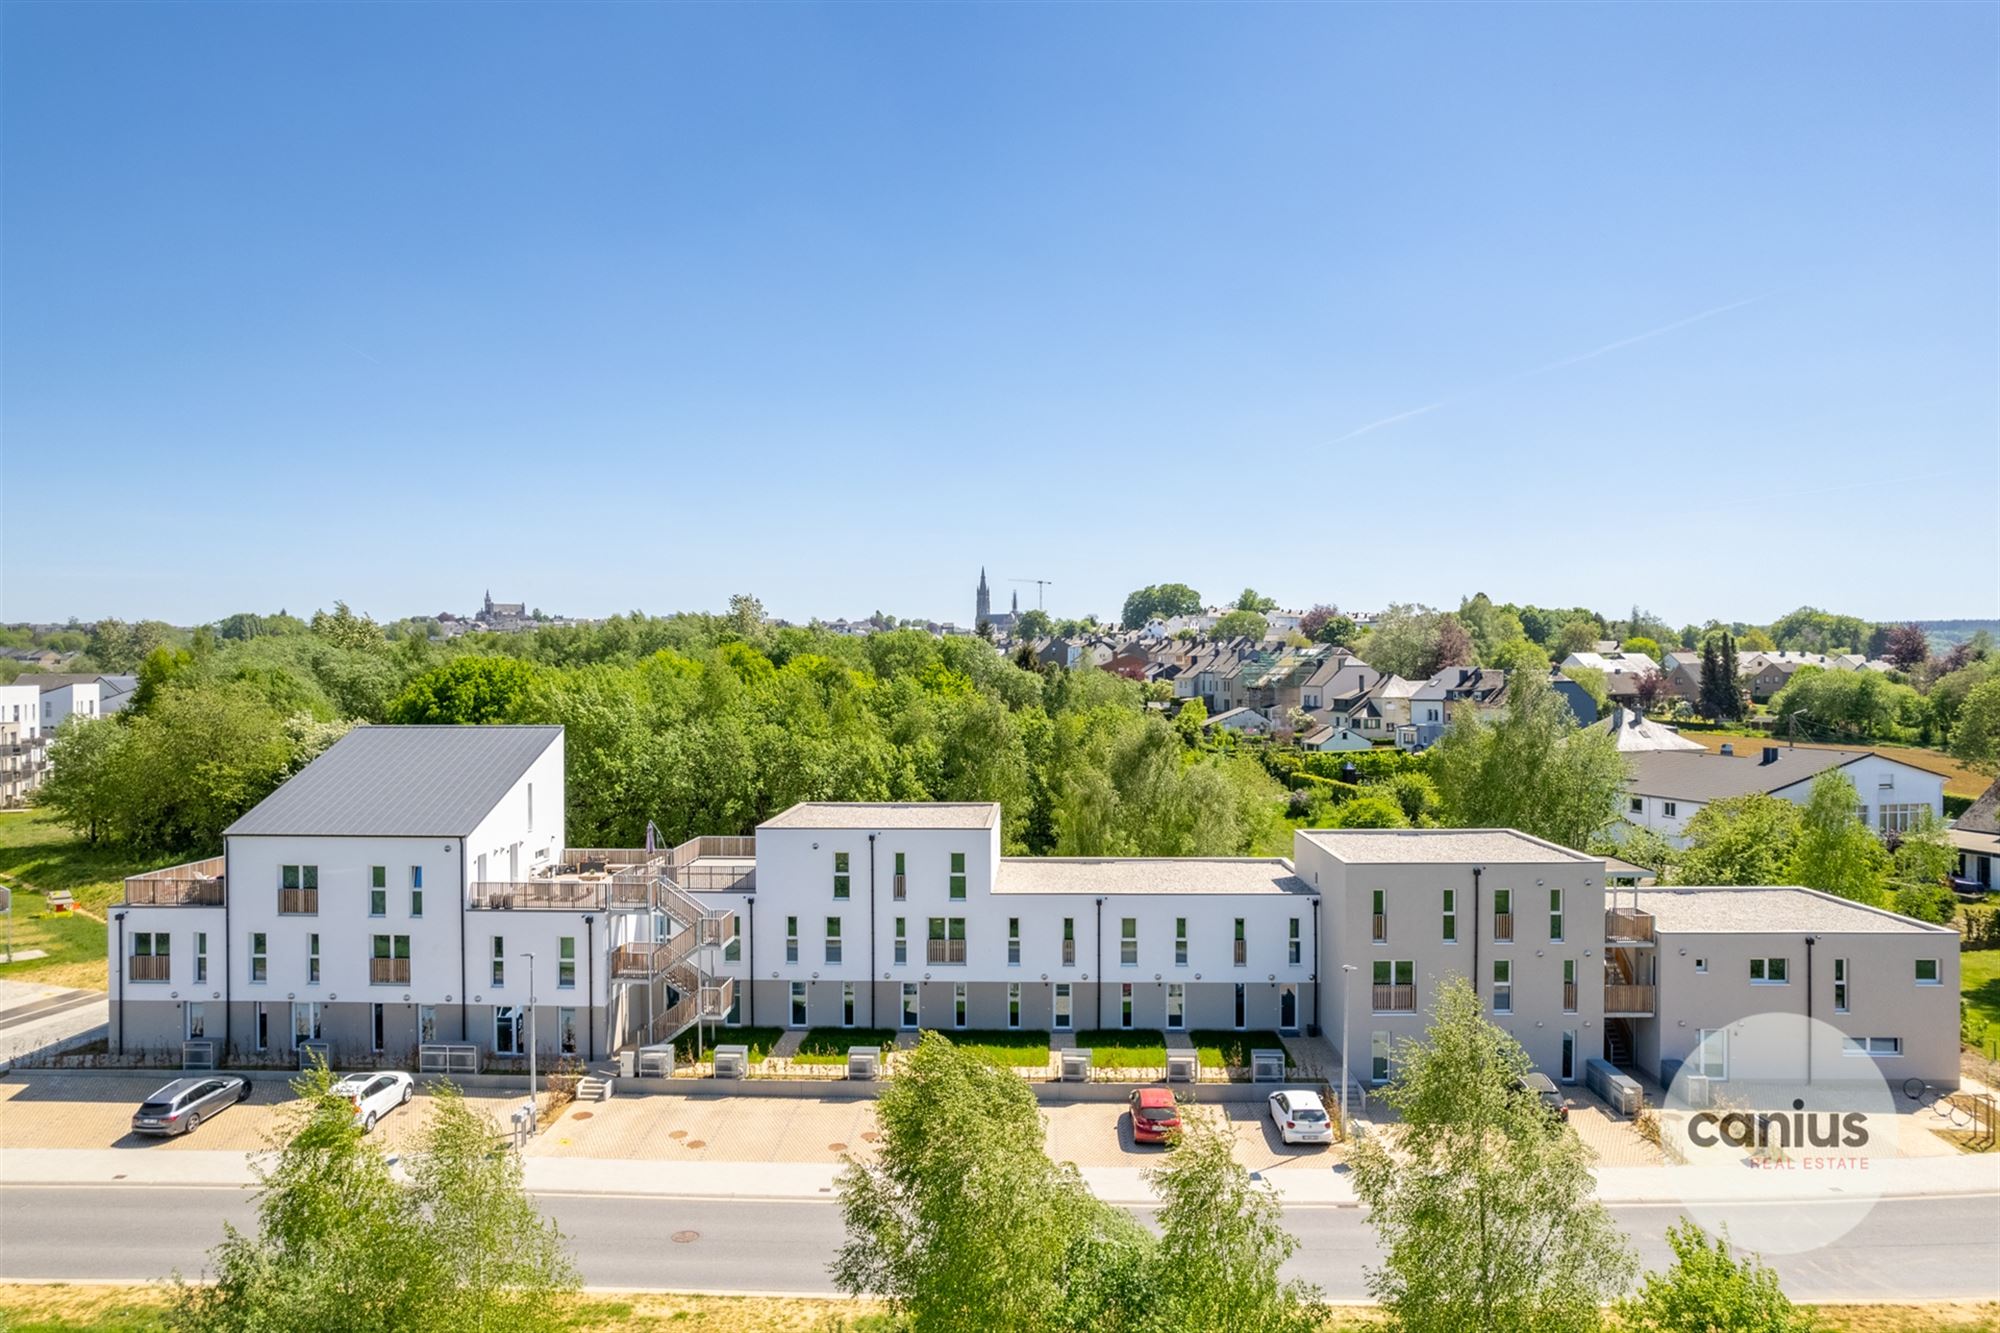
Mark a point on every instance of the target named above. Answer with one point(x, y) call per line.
point(871, 930)
point(464, 899)
point(1315, 972)
point(228, 992)
point(750, 928)
point(590, 964)
point(1100, 963)
point(118, 962)
point(1810, 941)
point(1477, 917)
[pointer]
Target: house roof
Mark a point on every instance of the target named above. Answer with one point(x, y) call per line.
point(55, 680)
point(1635, 732)
point(887, 814)
point(1148, 874)
point(1732, 909)
point(1501, 846)
point(1685, 775)
point(400, 782)
point(1983, 815)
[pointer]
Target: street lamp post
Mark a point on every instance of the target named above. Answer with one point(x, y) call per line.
point(1346, 1003)
point(534, 1108)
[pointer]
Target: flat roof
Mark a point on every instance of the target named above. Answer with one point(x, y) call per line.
point(400, 782)
point(1234, 875)
point(887, 814)
point(1766, 910)
point(1439, 846)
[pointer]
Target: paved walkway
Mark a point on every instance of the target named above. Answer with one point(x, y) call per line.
point(34, 1017)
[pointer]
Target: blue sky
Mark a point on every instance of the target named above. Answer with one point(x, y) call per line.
point(637, 306)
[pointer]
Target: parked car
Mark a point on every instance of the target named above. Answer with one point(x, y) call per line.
point(1155, 1118)
point(375, 1095)
point(1544, 1090)
point(1301, 1117)
point(181, 1106)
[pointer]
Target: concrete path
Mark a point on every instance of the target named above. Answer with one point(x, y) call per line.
point(38, 1018)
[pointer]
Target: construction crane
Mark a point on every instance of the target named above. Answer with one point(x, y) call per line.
point(1039, 585)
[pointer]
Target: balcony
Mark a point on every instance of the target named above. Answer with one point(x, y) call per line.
point(1627, 1001)
point(195, 884)
point(388, 971)
point(945, 951)
point(1503, 927)
point(1378, 929)
point(899, 887)
point(1569, 997)
point(1069, 953)
point(1627, 926)
point(1242, 953)
point(298, 902)
point(148, 967)
point(1394, 999)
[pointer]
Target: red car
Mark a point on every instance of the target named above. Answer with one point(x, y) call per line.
point(1155, 1118)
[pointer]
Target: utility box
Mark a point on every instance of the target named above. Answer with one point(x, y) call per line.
point(1623, 1094)
point(1267, 1066)
point(627, 1064)
point(1183, 1068)
point(1695, 1088)
point(655, 1062)
point(1075, 1064)
point(864, 1062)
point(732, 1062)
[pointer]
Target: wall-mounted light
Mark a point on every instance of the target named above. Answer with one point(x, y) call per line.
point(291, 995)
point(1045, 976)
point(173, 995)
point(1156, 976)
point(215, 995)
point(479, 999)
point(885, 976)
point(406, 999)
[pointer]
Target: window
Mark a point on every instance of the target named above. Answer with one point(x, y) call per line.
point(732, 952)
point(1379, 917)
point(1638, 805)
point(1701, 965)
point(1395, 987)
point(958, 875)
point(150, 961)
point(298, 891)
point(1176, 1006)
point(841, 879)
point(1069, 942)
point(1239, 1005)
point(899, 887)
point(259, 962)
point(509, 1029)
point(1555, 916)
point(1569, 985)
point(499, 960)
point(375, 1026)
point(1668, 808)
point(427, 1024)
point(197, 1021)
point(1180, 941)
point(1503, 915)
point(416, 877)
point(566, 1031)
point(260, 1033)
point(378, 877)
point(1928, 973)
point(1062, 1018)
point(566, 963)
point(833, 939)
point(1013, 941)
point(1292, 942)
point(1875, 1047)
point(1013, 1004)
point(1711, 1053)
point(958, 1004)
point(1898, 818)
point(902, 941)
point(312, 959)
point(389, 961)
point(306, 1024)
point(791, 939)
point(1840, 985)
point(200, 956)
point(1769, 971)
point(798, 1004)
point(909, 1004)
point(1378, 1057)
point(1128, 941)
point(531, 807)
point(1450, 921)
point(1503, 986)
point(1125, 1004)
point(378, 901)
point(1242, 945)
point(947, 940)
point(847, 1004)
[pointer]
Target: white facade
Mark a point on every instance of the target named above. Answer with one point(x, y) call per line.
point(1890, 794)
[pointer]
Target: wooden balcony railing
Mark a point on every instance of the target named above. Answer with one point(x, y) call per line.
point(298, 902)
point(1569, 997)
point(1622, 924)
point(1628, 1001)
point(1242, 952)
point(1394, 999)
point(899, 887)
point(388, 971)
point(196, 884)
point(149, 967)
point(1069, 953)
point(1503, 927)
point(1378, 928)
point(945, 951)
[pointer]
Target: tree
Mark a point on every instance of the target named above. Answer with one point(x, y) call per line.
point(1242, 625)
point(1188, 722)
point(1577, 636)
point(1519, 655)
point(1369, 810)
point(1252, 600)
point(1484, 1210)
point(1907, 646)
point(1739, 840)
point(1720, 695)
point(1412, 641)
point(1453, 646)
point(1489, 625)
point(1924, 854)
point(1707, 1290)
point(1531, 769)
point(1222, 1242)
point(1317, 619)
point(1161, 600)
point(1835, 852)
point(1976, 737)
point(1593, 682)
point(1415, 793)
point(81, 787)
point(344, 629)
point(466, 691)
point(1652, 689)
point(746, 614)
point(113, 646)
point(1639, 643)
point(1034, 623)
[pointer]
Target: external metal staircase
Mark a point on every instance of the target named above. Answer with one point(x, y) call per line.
point(667, 973)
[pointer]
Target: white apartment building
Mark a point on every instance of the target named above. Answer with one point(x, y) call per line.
point(1667, 788)
point(23, 743)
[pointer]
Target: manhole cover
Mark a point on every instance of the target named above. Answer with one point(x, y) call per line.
point(581, 1115)
point(870, 1136)
point(678, 1134)
point(695, 1143)
point(836, 1147)
point(686, 1237)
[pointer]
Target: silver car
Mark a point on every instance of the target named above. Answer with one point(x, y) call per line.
point(183, 1104)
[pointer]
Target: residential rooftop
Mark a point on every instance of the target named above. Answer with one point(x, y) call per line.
point(1232, 875)
point(400, 782)
point(1425, 846)
point(887, 815)
point(1707, 777)
point(1732, 909)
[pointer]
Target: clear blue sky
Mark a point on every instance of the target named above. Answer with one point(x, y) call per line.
point(637, 306)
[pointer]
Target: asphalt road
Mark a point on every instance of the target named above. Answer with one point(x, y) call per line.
point(1907, 1249)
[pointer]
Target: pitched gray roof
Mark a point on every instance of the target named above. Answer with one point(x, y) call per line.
point(400, 782)
point(1685, 775)
point(1983, 815)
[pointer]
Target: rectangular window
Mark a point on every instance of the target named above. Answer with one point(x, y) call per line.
point(499, 960)
point(1378, 1057)
point(958, 875)
point(909, 1004)
point(847, 1004)
point(1770, 971)
point(376, 1024)
point(1450, 924)
point(427, 1024)
point(531, 807)
point(798, 1004)
point(378, 901)
point(902, 941)
point(841, 879)
point(1395, 987)
point(947, 940)
point(1669, 809)
point(1711, 1053)
point(1898, 818)
point(1875, 1047)
point(1240, 1011)
point(509, 1030)
point(566, 963)
point(417, 896)
point(566, 1031)
point(1242, 944)
point(1701, 965)
point(958, 1004)
point(833, 939)
point(1503, 915)
point(1176, 1006)
point(1569, 985)
point(259, 962)
point(1013, 1004)
point(1638, 805)
point(378, 877)
point(1555, 916)
point(1292, 942)
point(1069, 942)
point(1128, 941)
point(1840, 985)
point(389, 961)
point(200, 956)
point(1013, 941)
point(1928, 973)
point(1180, 941)
point(416, 877)
point(1125, 1004)
point(298, 891)
point(1062, 1018)
point(312, 959)
point(1503, 986)
point(791, 939)
point(197, 1021)
point(150, 960)
point(900, 885)
point(1378, 925)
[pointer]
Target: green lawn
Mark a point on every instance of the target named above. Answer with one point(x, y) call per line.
point(1124, 1048)
point(1003, 1046)
point(1222, 1048)
point(36, 853)
point(828, 1046)
point(759, 1040)
point(1979, 984)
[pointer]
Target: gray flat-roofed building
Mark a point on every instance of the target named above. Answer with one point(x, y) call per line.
point(1148, 874)
point(887, 815)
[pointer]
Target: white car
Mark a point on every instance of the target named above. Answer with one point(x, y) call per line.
point(1301, 1117)
point(375, 1095)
